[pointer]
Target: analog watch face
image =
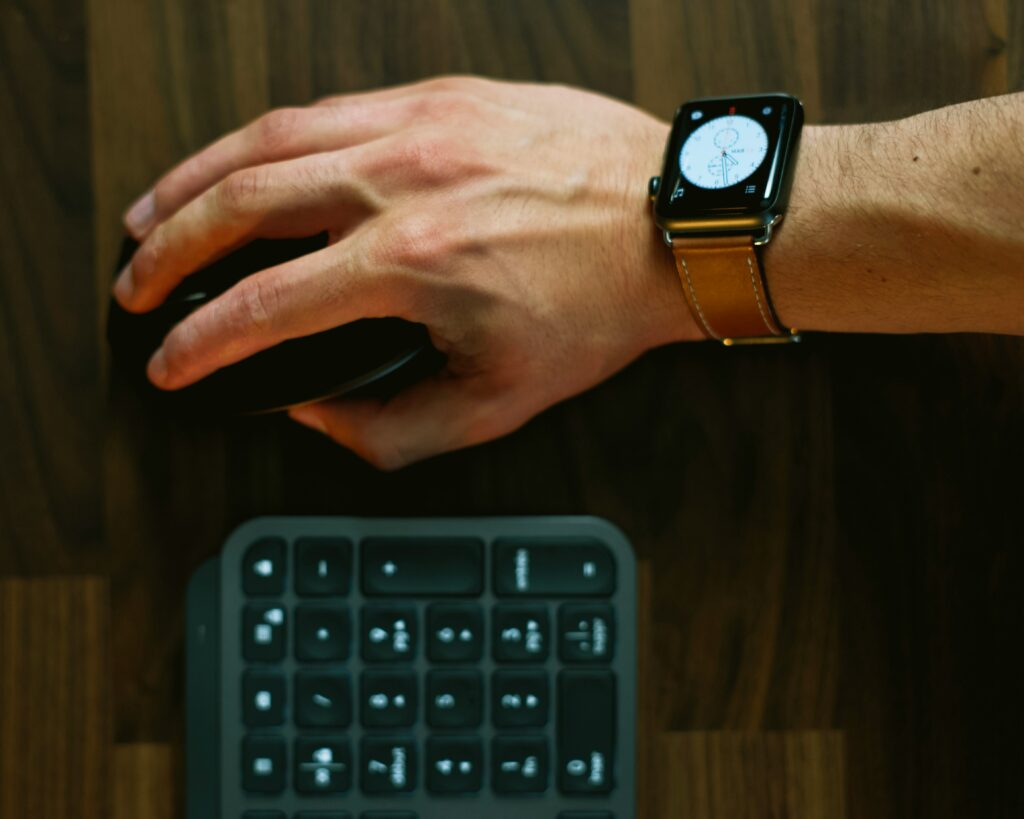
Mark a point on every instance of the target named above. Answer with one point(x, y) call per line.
point(723, 151)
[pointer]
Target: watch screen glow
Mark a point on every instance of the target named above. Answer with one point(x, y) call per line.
point(723, 151)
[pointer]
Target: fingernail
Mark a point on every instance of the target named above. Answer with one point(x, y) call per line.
point(139, 217)
point(124, 287)
point(156, 369)
point(308, 417)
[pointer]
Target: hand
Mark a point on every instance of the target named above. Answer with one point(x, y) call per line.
point(510, 218)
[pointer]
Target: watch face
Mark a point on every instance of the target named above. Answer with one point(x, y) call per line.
point(723, 151)
point(727, 156)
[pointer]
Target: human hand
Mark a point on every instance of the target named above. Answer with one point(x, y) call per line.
point(509, 218)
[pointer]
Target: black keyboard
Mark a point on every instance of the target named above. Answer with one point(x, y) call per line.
point(444, 668)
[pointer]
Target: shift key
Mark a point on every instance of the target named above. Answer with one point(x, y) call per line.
point(422, 567)
point(565, 567)
point(586, 731)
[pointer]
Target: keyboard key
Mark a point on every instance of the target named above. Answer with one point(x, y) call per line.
point(388, 633)
point(263, 764)
point(565, 567)
point(322, 632)
point(263, 695)
point(521, 633)
point(455, 698)
point(519, 764)
point(323, 699)
point(263, 814)
point(455, 632)
point(454, 764)
point(519, 698)
point(422, 567)
point(586, 633)
point(323, 566)
point(263, 632)
point(388, 699)
point(323, 765)
point(586, 731)
point(388, 765)
point(263, 567)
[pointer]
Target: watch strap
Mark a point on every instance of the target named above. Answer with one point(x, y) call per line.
point(725, 288)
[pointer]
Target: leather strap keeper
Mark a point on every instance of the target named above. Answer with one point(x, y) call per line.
point(725, 289)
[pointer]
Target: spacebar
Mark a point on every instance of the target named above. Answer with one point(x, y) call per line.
point(422, 566)
point(586, 731)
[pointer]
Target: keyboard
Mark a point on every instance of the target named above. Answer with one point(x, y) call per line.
point(401, 668)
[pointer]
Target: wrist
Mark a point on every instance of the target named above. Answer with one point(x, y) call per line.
point(667, 317)
point(799, 262)
point(872, 243)
point(903, 226)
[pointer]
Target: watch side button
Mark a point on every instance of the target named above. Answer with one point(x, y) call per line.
point(652, 187)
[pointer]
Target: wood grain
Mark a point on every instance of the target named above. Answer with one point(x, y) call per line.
point(830, 549)
point(739, 775)
point(144, 782)
point(50, 397)
point(55, 707)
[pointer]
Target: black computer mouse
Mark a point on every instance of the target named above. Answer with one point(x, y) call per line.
point(368, 357)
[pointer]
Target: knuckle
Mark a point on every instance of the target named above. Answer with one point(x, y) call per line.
point(328, 100)
point(443, 104)
point(148, 257)
point(255, 304)
point(192, 176)
point(429, 159)
point(453, 82)
point(164, 193)
point(439, 160)
point(276, 130)
point(421, 242)
point(240, 189)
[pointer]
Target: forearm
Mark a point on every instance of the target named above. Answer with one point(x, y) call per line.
point(915, 225)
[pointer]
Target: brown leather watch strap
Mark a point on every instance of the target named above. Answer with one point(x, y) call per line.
point(724, 286)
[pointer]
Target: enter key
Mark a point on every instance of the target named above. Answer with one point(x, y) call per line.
point(586, 731)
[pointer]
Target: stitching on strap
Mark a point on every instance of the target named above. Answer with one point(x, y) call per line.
point(693, 293)
point(757, 296)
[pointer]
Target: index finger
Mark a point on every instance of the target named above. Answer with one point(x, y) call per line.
point(330, 287)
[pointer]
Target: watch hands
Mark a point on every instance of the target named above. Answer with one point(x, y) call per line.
point(725, 169)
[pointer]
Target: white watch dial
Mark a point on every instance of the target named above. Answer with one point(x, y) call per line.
point(723, 151)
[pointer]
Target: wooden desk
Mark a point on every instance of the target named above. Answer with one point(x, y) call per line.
point(830, 535)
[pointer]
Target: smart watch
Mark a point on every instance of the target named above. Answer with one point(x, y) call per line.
point(723, 189)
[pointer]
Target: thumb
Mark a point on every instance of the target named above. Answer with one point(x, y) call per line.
point(442, 413)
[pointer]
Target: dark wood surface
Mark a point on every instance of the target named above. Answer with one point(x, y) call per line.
point(54, 698)
point(830, 535)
